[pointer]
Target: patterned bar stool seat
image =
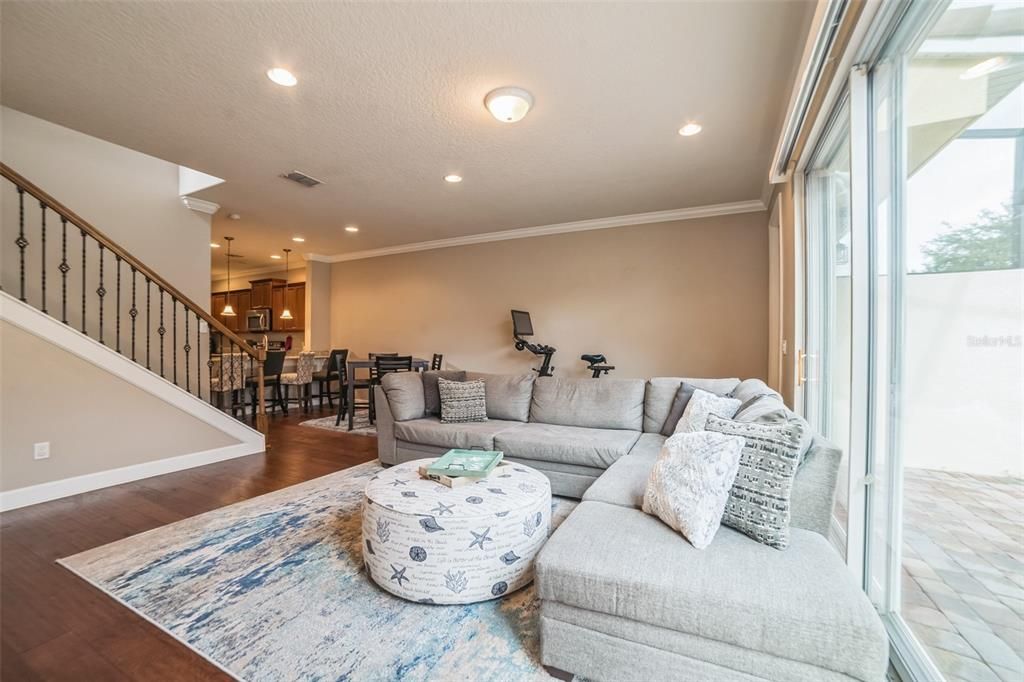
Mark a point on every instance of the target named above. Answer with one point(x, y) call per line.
point(302, 377)
point(229, 379)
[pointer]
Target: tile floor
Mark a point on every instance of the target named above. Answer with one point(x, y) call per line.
point(963, 572)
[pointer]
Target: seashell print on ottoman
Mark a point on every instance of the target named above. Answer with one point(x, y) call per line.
point(429, 543)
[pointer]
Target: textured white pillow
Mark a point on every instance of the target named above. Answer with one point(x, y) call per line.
point(703, 404)
point(690, 482)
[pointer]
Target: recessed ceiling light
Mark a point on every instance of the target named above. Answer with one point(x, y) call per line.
point(508, 105)
point(984, 68)
point(275, 256)
point(453, 178)
point(214, 245)
point(351, 228)
point(690, 129)
point(282, 77)
point(234, 216)
point(298, 239)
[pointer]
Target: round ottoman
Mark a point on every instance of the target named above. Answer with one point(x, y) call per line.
point(429, 543)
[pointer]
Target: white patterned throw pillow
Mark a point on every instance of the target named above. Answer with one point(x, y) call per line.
point(462, 401)
point(690, 482)
point(703, 404)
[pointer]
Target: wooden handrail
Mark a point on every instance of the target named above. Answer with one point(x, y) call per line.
point(83, 224)
point(60, 209)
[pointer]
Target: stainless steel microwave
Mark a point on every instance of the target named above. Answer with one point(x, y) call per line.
point(258, 320)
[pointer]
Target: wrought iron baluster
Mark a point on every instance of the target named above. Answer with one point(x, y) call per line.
point(199, 356)
point(209, 365)
point(117, 330)
point(101, 292)
point(149, 325)
point(187, 349)
point(174, 337)
point(161, 330)
point(21, 241)
point(133, 313)
point(64, 267)
point(42, 244)
point(84, 328)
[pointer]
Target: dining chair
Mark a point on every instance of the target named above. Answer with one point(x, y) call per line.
point(364, 383)
point(383, 365)
point(341, 370)
point(437, 362)
point(272, 368)
point(302, 379)
point(328, 373)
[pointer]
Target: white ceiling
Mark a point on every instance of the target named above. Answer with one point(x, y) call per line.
point(390, 99)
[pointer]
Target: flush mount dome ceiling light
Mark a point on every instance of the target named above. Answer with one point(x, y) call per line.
point(690, 129)
point(509, 104)
point(282, 77)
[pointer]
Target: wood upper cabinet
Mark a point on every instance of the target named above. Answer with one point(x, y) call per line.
point(262, 292)
point(217, 303)
point(293, 297)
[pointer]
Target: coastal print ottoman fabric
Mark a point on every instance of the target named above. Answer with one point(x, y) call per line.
point(462, 401)
point(701, 404)
point(759, 503)
point(690, 482)
point(429, 543)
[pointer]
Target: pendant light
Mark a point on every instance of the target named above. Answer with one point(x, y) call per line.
point(286, 314)
point(228, 310)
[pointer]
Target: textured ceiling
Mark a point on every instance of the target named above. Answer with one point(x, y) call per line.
point(390, 99)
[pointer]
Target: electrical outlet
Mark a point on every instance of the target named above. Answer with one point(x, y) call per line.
point(41, 451)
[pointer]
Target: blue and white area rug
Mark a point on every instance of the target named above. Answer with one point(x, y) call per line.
point(274, 588)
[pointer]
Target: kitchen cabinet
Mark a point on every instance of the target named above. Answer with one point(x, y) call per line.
point(262, 291)
point(293, 297)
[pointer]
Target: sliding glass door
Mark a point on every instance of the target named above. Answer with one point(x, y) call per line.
point(933, 438)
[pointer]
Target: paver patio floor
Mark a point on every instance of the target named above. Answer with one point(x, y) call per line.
point(963, 572)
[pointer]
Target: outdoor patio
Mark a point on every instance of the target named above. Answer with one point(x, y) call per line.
point(963, 572)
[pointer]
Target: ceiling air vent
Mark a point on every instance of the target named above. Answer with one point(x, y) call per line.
point(302, 179)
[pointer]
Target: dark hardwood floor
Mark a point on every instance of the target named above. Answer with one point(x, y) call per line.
point(55, 626)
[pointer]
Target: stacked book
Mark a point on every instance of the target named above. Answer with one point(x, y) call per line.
point(461, 467)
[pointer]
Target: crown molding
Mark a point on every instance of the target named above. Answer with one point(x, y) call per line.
point(201, 205)
point(672, 215)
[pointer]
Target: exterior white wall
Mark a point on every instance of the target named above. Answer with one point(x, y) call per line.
point(963, 372)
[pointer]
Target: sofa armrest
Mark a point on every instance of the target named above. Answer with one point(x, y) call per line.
point(386, 449)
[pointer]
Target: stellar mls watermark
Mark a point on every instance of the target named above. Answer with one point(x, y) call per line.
point(986, 341)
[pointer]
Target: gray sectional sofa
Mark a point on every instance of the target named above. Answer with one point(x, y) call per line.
point(625, 597)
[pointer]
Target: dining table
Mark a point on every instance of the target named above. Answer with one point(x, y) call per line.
point(418, 365)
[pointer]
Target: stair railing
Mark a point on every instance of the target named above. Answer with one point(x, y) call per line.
point(122, 290)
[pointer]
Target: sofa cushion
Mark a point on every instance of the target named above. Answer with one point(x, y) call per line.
point(430, 431)
point(569, 444)
point(405, 395)
point(508, 395)
point(661, 391)
point(801, 604)
point(625, 481)
point(431, 395)
point(604, 404)
point(675, 412)
point(752, 388)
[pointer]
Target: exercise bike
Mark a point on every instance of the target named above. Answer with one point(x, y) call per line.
point(522, 326)
point(597, 363)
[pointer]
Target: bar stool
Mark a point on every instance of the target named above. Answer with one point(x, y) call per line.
point(436, 362)
point(302, 378)
point(330, 373)
point(272, 367)
point(229, 379)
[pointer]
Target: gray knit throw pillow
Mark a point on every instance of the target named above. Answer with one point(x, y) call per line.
point(462, 401)
point(759, 502)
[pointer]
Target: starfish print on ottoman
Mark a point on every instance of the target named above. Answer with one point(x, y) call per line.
point(480, 538)
point(441, 509)
point(398, 574)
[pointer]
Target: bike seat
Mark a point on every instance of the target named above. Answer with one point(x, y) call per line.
point(593, 359)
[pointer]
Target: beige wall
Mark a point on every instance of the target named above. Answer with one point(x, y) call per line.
point(318, 305)
point(93, 420)
point(130, 197)
point(681, 298)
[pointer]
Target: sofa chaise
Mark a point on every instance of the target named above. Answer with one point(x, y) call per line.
point(625, 597)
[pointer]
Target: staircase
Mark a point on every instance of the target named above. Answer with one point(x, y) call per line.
point(72, 272)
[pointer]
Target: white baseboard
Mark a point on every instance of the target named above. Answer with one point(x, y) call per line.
point(44, 492)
